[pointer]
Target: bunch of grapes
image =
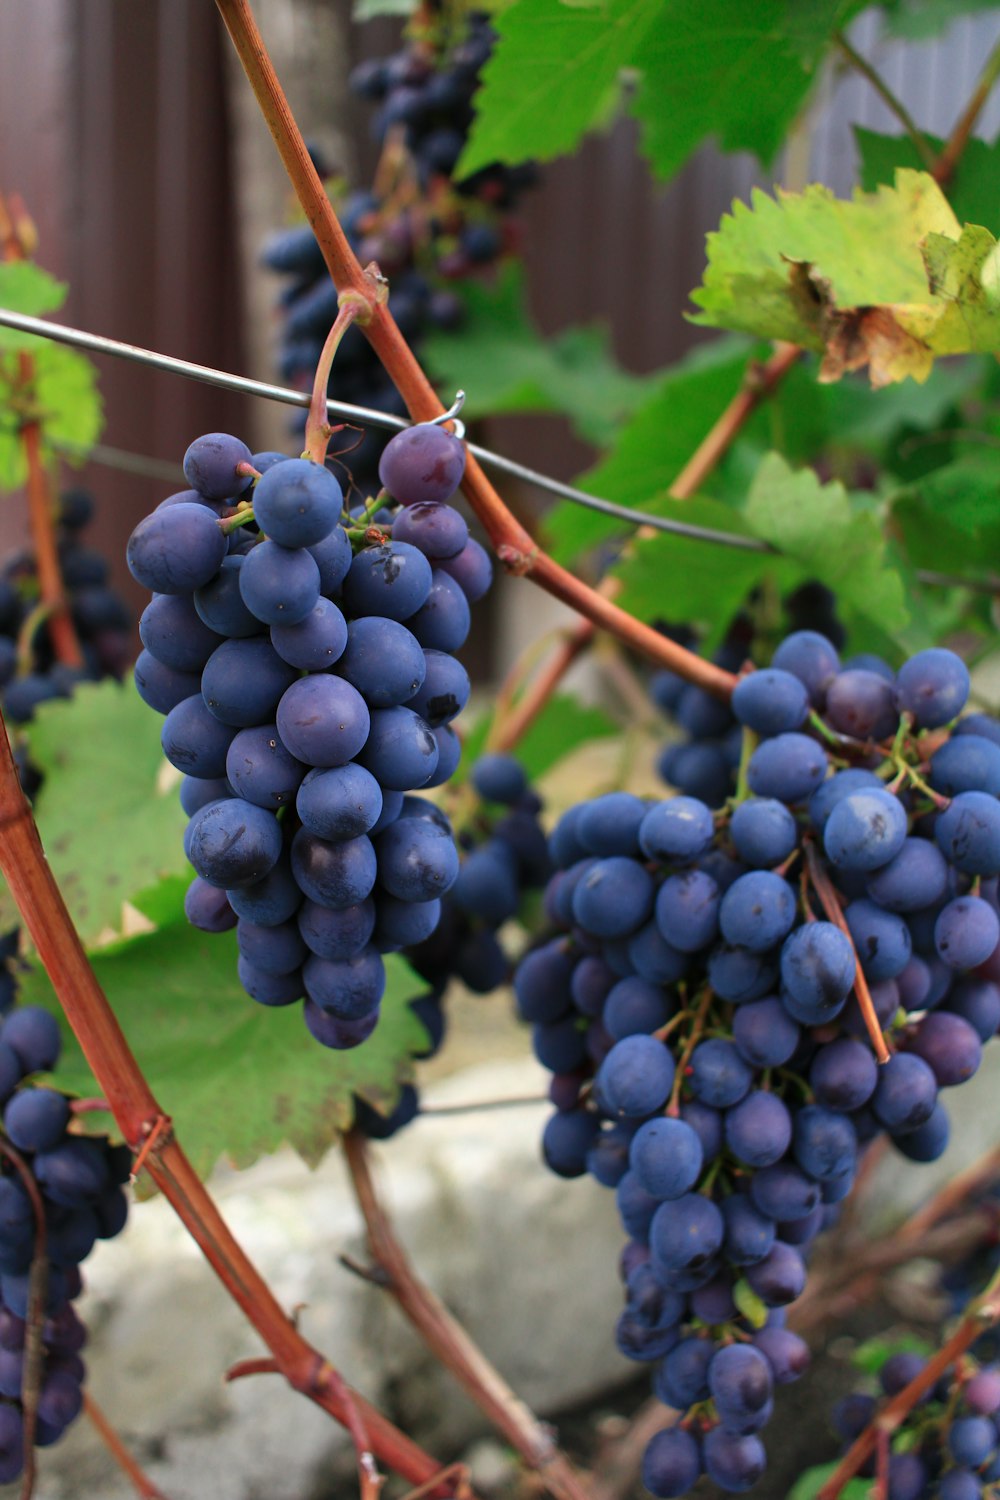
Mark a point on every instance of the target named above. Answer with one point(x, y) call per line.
point(309, 689)
point(29, 672)
point(79, 1184)
point(424, 230)
point(710, 1061)
point(704, 761)
point(948, 1445)
point(503, 854)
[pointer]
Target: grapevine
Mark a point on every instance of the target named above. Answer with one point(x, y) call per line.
point(751, 995)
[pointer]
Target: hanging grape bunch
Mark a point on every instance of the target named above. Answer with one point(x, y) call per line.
point(949, 1448)
point(305, 668)
point(29, 671)
point(947, 1445)
point(423, 230)
point(503, 857)
point(59, 1193)
point(710, 1060)
point(704, 759)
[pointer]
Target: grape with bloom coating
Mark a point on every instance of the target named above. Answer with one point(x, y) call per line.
point(422, 463)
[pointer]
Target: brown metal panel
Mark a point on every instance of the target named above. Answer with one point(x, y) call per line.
point(34, 43)
point(148, 229)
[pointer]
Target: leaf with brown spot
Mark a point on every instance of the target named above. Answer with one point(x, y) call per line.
point(887, 280)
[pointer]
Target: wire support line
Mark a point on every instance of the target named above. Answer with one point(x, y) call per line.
point(109, 457)
point(366, 416)
point(474, 1107)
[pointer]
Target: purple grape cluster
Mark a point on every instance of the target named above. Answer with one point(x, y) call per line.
point(308, 690)
point(425, 233)
point(704, 759)
point(698, 1008)
point(80, 1180)
point(100, 616)
point(426, 90)
point(948, 1446)
point(503, 857)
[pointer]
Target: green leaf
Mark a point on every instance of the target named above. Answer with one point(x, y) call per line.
point(108, 812)
point(931, 541)
point(13, 464)
point(555, 74)
point(63, 396)
point(919, 19)
point(806, 419)
point(809, 1484)
point(835, 542)
point(562, 727)
point(810, 27)
point(753, 1308)
point(26, 288)
point(653, 447)
point(696, 68)
point(67, 396)
point(972, 190)
point(238, 1079)
point(873, 1353)
point(504, 363)
point(724, 69)
point(163, 903)
point(965, 493)
point(677, 579)
point(888, 279)
point(370, 10)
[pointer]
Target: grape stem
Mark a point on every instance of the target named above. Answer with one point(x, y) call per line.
point(759, 382)
point(510, 540)
point(16, 230)
point(143, 1485)
point(352, 308)
point(895, 106)
point(34, 1349)
point(448, 1340)
point(616, 1472)
point(927, 1233)
point(823, 887)
point(30, 625)
point(509, 729)
point(456, 1474)
point(91, 1106)
point(673, 1109)
point(748, 744)
point(982, 1313)
point(370, 1479)
point(951, 151)
point(40, 902)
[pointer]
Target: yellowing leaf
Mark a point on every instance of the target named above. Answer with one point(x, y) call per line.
point(887, 280)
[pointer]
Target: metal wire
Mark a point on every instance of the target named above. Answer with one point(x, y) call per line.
point(365, 416)
point(368, 417)
point(128, 463)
